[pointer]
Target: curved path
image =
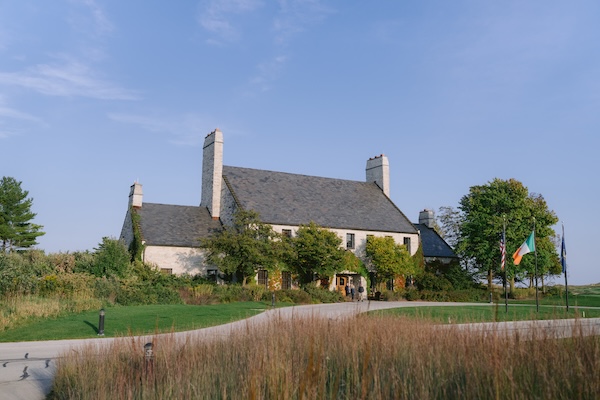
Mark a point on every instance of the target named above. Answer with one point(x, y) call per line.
point(27, 368)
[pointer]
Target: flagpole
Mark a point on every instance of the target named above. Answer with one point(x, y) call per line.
point(503, 263)
point(537, 301)
point(563, 259)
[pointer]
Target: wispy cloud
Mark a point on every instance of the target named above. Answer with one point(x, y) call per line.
point(9, 114)
point(183, 130)
point(69, 79)
point(267, 72)
point(216, 17)
point(297, 15)
point(93, 17)
point(293, 18)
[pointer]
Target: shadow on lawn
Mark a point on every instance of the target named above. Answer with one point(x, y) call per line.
point(94, 327)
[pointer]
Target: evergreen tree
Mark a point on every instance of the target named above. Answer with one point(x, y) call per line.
point(16, 229)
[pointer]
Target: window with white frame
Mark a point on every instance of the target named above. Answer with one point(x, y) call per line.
point(349, 240)
point(407, 244)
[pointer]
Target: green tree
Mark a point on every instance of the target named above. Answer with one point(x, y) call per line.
point(111, 258)
point(16, 229)
point(450, 220)
point(484, 211)
point(389, 258)
point(240, 250)
point(316, 253)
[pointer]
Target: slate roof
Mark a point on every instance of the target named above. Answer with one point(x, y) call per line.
point(433, 244)
point(292, 199)
point(171, 225)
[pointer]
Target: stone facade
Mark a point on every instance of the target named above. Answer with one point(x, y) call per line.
point(176, 260)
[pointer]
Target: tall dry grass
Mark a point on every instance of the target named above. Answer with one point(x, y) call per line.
point(18, 309)
point(359, 358)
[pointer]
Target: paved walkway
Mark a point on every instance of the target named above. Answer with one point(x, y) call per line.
point(27, 368)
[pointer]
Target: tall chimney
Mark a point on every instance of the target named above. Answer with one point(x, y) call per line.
point(427, 218)
point(136, 195)
point(212, 173)
point(378, 171)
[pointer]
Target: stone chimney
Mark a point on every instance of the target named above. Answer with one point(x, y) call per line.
point(135, 195)
point(212, 173)
point(378, 171)
point(427, 218)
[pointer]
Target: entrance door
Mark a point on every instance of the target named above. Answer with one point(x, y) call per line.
point(340, 283)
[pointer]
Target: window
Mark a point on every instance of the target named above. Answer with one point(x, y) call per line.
point(349, 240)
point(286, 233)
point(407, 244)
point(167, 271)
point(263, 277)
point(286, 280)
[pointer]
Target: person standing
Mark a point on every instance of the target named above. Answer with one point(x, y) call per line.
point(361, 291)
point(352, 291)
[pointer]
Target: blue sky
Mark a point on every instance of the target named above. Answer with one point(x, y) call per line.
point(95, 95)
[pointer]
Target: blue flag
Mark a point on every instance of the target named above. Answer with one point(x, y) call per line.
point(563, 255)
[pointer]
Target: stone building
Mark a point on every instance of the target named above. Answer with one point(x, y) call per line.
point(351, 209)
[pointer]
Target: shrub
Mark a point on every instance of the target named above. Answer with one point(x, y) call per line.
point(433, 282)
point(558, 291)
point(522, 293)
point(111, 258)
point(135, 292)
point(293, 296)
point(467, 295)
point(322, 295)
point(434, 295)
point(20, 271)
point(68, 285)
point(393, 295)
point(412, 294)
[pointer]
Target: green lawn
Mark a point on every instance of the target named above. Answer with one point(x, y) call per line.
point(575, 300)
point(133, 320)
point(487, 313)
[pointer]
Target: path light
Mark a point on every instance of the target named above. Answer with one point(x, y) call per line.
point(148, 352)
point(101, 323)
point(149, 356)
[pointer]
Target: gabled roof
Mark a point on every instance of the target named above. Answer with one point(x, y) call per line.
point(292, 199)
point(433, 244)
point(170, 225)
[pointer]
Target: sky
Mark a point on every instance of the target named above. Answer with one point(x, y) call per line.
point(96, 95)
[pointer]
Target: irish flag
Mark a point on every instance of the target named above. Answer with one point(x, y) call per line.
point(527, 247)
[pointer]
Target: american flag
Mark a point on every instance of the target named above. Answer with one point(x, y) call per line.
point(502, 251)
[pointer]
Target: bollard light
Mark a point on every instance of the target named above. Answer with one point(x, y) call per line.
point(101, 323)
point(148, 352)
point(273, 300)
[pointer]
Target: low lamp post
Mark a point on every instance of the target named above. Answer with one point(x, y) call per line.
point(149, 356)
point(101, 323)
